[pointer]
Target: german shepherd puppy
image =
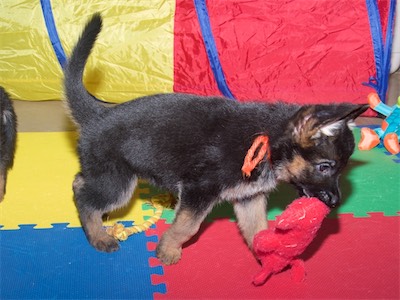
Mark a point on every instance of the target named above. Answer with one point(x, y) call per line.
point(195, 147)
point(8, 132)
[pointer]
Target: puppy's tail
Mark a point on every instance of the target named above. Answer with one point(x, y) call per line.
point(83, 106)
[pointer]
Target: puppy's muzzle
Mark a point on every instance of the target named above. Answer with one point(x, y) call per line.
point(329, 199)
point(332, 200)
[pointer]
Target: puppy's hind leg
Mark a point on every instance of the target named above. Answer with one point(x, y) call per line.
point(252, 216)
point(94, 198)
point(92, 223)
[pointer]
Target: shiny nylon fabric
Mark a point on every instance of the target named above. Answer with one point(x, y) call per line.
point(133, 56)
point(382, 47)
point(304, 51)
point(211, 48)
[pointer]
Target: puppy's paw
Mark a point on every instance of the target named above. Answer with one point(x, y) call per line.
point(168, 255)
point(106, 244)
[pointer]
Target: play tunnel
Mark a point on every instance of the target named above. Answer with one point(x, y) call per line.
point(303, 51)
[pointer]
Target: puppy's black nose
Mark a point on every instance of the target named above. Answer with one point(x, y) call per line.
point(329, 199)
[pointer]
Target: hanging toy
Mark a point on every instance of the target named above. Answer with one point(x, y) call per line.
point(388, 133)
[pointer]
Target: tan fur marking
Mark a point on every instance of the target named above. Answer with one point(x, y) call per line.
point(252, 217)
point(2, 186)
point(297, 166)
point(185, 225)
point(93, 226)
point(292, 169)
point(304, 135)
point(78, 183)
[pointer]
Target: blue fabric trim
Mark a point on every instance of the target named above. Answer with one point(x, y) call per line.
point(382, 49)
point(211, 48)
point(388, 47)
point(52, 32)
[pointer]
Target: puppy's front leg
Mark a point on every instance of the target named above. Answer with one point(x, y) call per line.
point(193, 208)
point(252, 216)
point(185, 225)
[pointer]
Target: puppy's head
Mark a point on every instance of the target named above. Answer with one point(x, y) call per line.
point(316, 147)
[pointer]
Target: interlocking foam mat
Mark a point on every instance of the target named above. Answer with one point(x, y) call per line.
point(58, 263)
point(44, 253)
point(341, 263)
point(39, 189)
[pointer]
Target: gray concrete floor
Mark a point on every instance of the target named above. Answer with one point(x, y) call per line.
point(42, 116)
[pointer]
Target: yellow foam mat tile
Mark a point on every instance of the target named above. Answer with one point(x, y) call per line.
point(39, 188)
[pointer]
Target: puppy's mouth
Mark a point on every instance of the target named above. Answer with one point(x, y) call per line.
point(329, 199)
point(303, 192)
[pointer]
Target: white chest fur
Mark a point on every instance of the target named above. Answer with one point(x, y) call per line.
point(265, 183)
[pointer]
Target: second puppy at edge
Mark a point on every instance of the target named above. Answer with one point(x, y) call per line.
point(194, 147)
point(8, 138)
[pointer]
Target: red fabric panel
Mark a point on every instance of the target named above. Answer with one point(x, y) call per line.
point(351, 258)
point(384, 6)
point(305, 51)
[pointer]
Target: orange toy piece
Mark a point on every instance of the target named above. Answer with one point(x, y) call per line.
point(250, 162)
point(391, 143)
point(389, 131)
point(369, 139)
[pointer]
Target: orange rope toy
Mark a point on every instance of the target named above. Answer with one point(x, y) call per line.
point(120, 232)
point(251, 162)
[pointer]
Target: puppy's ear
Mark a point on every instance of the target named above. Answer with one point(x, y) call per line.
point(314, 121)
point(340, 115)
point(355, 111)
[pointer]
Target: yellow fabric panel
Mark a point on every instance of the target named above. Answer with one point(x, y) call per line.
point(39, 189)
point(133, 56)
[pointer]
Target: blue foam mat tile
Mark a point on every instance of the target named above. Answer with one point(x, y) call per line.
point(396, 158)
point(58, 263)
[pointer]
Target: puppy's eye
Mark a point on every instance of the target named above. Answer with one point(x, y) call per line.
point(325, 167)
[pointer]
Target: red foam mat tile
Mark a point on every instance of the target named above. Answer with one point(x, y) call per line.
point(351, 258)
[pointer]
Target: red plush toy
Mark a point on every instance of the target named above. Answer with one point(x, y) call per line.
point(294, 230)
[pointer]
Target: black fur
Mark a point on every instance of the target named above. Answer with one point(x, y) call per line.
point(193, 146)
point(8, 132)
